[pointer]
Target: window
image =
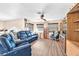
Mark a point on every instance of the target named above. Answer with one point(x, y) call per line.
point(30, 26)
point(52, 27)
point(40, 27)
point(65, 27)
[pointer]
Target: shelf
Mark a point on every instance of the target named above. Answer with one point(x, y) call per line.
point(77, 30)
point(76, 21)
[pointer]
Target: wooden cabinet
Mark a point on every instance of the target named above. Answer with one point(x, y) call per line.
point(72, 44)
point(73, 26)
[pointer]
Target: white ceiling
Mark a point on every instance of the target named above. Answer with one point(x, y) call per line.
point(53, 11)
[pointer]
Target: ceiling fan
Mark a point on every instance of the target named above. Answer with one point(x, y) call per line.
point(42, 13)
point(42, 16)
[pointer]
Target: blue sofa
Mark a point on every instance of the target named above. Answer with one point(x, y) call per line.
point(27, 36)
point(9, 48)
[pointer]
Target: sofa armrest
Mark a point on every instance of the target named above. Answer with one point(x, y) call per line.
point(17, 42)
point(22, 50)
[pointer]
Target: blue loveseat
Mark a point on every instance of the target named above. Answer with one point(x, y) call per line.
point(27, 36)
point(9, 48)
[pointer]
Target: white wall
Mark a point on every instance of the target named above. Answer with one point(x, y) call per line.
point(13, 23)
point(1, 25)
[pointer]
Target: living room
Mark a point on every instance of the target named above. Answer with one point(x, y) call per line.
point(37, 29)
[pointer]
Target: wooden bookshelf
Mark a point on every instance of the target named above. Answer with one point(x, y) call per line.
point(73, 31)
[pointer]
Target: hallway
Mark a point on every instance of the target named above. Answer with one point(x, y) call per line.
point(45, 47)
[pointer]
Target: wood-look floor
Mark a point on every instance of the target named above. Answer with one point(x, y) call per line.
point(48, 47)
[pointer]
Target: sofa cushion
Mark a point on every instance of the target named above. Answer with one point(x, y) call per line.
point(28, 33)
point(31, 33)
point(22, 35)
point(27, 36)
point(2, 48)
point(14, 35)
point(9, 41)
